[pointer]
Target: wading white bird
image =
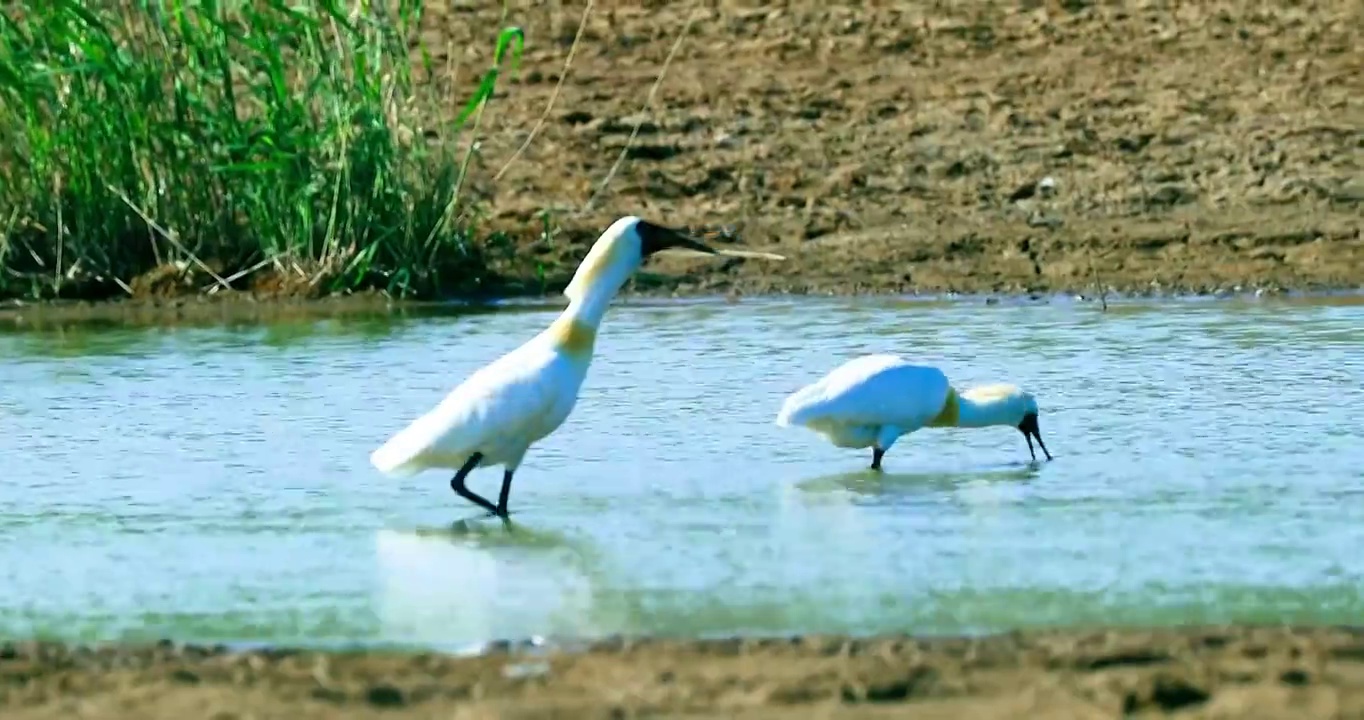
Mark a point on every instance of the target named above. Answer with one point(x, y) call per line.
point(495, 415)
point(871, 401)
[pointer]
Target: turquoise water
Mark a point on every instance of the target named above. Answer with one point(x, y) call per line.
point(212, 484)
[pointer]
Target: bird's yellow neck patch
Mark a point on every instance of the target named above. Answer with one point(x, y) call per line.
point(573, 336)
point(950, 414)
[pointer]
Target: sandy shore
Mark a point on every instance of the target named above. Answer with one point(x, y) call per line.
point(1213, 672)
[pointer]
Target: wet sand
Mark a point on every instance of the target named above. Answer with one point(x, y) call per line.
point(1214, 672)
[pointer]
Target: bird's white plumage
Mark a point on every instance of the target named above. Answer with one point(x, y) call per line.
point(856, 402)
point(500, 411)
point(873, 400)
point(520, 398)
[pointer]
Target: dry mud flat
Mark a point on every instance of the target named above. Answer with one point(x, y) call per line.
point(1216, 672)
point(896, 147)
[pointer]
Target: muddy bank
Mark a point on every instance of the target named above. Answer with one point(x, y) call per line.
point(1214, 672)
point(208, 310)
point(903, 149)
point(966, 146)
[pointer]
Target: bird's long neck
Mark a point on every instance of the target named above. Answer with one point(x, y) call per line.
point(589, 306)
point(975, 413)
point(965, 412)
point(594, 285)
point(574, 332)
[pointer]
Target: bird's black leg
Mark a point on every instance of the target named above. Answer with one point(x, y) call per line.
point(502, 497)
point(876, 455)
point(457, 484)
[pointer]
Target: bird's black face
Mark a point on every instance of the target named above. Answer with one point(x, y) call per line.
point(1029, 429)
point(653, 238)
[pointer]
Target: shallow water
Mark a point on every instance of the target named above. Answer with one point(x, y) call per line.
point(212, 484)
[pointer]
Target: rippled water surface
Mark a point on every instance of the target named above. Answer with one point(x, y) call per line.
point(212, 484)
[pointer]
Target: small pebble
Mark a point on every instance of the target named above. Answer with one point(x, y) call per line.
point(185, 676)
point(385, 695)
point(522, 671)
point(1295, 677)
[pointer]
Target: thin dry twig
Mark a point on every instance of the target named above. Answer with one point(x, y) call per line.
point(648, 103)
point(1094, 275)
point(170, 237)
point(474, 146)
point(563, 75)
point(61, 233)
point(234, 277)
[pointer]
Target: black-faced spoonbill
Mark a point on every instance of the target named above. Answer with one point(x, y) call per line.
point(504, 408)
point(872, 400)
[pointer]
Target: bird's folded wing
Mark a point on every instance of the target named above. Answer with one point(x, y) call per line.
point(503, 405)
point(872, 393)
point(500, 402)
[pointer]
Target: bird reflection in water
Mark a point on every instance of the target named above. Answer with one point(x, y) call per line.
point(882, 487)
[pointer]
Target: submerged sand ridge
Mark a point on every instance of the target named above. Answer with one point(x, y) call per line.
point(1203, 672)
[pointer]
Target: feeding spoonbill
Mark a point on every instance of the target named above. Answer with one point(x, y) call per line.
point(498, 412)
point(872, 400)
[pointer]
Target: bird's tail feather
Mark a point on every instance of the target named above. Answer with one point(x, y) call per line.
point(798, 408)
point(401, 456)
point(391, 462)
point(790, 417)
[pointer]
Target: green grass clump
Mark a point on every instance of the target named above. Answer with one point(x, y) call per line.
point(231, 139)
